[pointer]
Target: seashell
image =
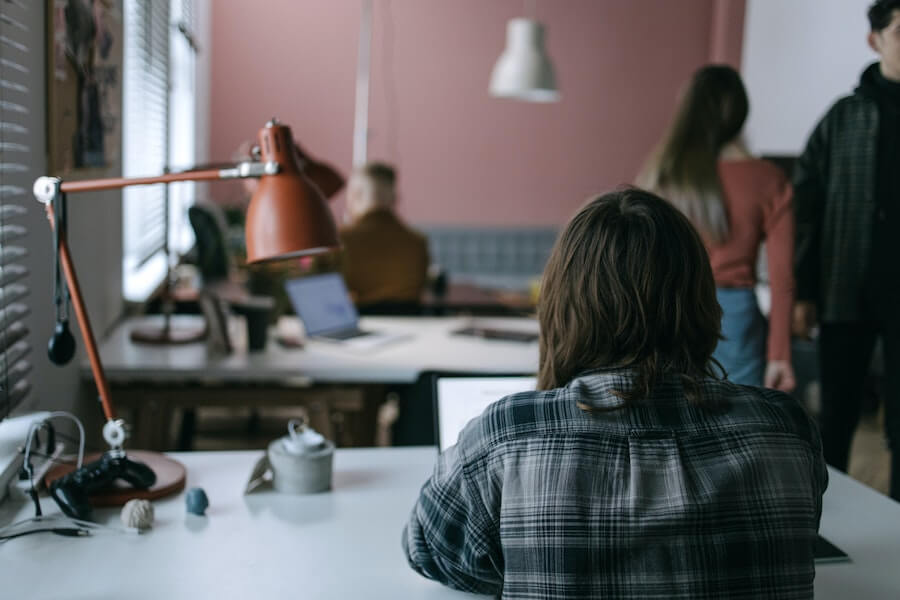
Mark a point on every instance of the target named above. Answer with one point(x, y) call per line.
point(138, 513)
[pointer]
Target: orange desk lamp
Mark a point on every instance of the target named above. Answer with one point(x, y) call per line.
point(287, 217)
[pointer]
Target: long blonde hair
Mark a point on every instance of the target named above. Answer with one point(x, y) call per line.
point(683, 169)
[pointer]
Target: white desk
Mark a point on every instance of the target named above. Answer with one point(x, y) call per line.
point(430, 346)
point(866, 525)
point(152, 383)
point(343, 544)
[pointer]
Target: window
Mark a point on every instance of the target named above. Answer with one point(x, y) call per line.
point(15, 190)
point(159, 133)
point(182, 122)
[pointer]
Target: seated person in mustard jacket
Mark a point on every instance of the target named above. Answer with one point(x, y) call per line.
point(384, 260)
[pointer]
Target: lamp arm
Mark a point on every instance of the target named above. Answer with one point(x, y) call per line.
point(46, 188)
point(84, 322)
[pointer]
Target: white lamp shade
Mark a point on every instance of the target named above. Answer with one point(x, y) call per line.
point(523, 71)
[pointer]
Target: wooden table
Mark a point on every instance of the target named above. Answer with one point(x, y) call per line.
point(341, 387)
point(462, 298)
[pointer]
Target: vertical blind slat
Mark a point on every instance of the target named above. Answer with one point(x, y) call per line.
point(146, 106)
point(16, 172)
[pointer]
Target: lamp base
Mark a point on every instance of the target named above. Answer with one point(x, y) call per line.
point(170, 478)
point(168, 334)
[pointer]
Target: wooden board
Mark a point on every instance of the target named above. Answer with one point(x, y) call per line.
point(170, 478)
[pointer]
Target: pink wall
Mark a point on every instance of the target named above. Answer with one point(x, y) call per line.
point(464, 157)
point(727, 32)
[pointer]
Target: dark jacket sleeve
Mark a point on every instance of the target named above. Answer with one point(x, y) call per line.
point(449, 537)
point(810, 184)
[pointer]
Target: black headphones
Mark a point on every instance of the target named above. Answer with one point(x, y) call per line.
point(61, 347)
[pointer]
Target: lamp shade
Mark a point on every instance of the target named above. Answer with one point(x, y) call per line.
point(523, 71)
point(287, 217)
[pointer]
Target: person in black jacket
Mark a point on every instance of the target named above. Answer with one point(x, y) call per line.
point(847, 256)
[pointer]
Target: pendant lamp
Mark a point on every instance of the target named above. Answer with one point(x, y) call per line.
point(523, 71)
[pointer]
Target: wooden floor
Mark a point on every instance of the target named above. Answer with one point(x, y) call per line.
point(870, 459)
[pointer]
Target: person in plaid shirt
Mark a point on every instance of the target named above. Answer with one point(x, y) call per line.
point(635, 470)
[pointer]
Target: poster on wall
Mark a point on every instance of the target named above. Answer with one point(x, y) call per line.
point(84, 87)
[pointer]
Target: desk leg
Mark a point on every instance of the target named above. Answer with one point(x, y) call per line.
point(151, 418)
point(348, 415)
point(353, 415)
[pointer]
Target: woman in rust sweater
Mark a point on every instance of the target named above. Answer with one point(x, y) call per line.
point(736, 202)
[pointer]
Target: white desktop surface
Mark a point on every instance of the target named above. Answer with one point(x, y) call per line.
point(341, 544)
point(429, 344)
point(866, 525)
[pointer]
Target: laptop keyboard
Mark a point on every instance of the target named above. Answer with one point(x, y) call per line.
point(346, 334)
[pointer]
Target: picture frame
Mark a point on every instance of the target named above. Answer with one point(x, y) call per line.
point(84, 87)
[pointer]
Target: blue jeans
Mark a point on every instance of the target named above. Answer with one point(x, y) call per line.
point(743, 351)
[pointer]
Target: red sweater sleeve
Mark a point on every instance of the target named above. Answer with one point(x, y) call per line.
point(779, 228)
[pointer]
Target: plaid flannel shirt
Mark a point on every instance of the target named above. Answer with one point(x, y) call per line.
point(834, 207)
point(665, 499)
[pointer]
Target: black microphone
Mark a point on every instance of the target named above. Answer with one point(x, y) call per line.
point(61, 347)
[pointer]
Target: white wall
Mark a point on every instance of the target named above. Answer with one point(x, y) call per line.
point(799, 57)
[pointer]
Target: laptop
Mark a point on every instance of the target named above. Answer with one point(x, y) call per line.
point(324, 306)
point(460, 399)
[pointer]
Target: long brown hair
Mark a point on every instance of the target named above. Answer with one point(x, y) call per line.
point(683, 168)
point(628, 285)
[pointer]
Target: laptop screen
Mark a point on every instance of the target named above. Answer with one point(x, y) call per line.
point(322, 303)
point(460, 399)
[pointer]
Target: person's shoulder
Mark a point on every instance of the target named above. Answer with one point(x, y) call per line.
point(421, 239)
point(755, 179)
point(352, 227)
point(362, 228)
point(764, 407)
point(349, 233)
point(849, 106)
point(410, 229)
point(774, 179)
point(516, 415)
point(757, 168)
point(413, 235)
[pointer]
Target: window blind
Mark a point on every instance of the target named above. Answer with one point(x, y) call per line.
point(15, 189)
point(182, 120)
point(145, 111)
point(159, 131)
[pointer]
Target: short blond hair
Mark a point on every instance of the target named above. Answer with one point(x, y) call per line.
point(381, 173)
point(384, 181)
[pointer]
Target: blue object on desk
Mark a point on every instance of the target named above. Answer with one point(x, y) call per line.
point(196, 501)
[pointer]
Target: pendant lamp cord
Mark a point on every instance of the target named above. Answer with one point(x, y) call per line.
point(530, 8)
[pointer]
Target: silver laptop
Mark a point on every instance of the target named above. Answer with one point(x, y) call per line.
point(324, 306)
point(458, 400)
